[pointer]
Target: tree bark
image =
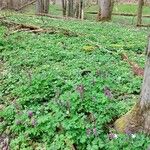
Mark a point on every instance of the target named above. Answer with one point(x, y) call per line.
point(1, 3)
point(64, 7)
point(46, 6)
point(138, 119)
point(42, 6)
point(10, 4)
point(79, 12)
point(106, 8)
point(139, 13)
point(70, 8)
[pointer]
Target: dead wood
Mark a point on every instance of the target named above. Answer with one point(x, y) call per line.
point(56, 17)
point(19, 27)
point(143, 25)
point(121, 14)
point(25, 5)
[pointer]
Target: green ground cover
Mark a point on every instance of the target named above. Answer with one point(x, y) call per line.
point(65, 92)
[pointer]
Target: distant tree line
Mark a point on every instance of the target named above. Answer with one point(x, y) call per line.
point(74, 8)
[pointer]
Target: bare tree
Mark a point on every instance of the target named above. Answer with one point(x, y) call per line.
point(106, 8)
point(64, 7)
point(10, 4)
point(138, 119)
point(139, 13)
point(46, 6)
point(42, 6)
point(1, 3)
point(70, 8)
point(79, 13)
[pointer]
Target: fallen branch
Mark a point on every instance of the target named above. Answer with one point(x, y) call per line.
point(19, 27)
point(30, 3)
point(56, 17)
point(143, 25)
point(121, 14)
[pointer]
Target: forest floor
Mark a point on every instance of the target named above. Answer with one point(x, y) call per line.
point(64, 83)
point(89, 10)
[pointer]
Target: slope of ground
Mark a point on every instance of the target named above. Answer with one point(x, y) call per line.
point(63, 91)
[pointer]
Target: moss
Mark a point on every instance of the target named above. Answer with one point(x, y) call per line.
point(130, 121)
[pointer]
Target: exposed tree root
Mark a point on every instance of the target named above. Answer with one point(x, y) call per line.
point(131, 121)
point(18, 27)
point(136, 120)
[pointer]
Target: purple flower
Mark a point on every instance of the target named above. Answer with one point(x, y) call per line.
point(112, 136)
point(5, 143)
point(30, 114)
point(128, 132)
point(95, 131)
point(108, 92)
point(80, 89)
point(88, 132)
point(33, 122)
point(18, 122)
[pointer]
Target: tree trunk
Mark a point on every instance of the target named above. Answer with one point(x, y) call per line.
point(42, 6)
point(138, 119)
point(10, 4)
point(106, 7)
point(79, 13)
point(46, 6)
point(64, 7)
point(81, 10)
point(139, 13)
point(1, 3)
point(39, 6)
point(70, 8)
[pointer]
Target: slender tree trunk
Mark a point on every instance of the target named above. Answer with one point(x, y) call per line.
point(106, 7)
point(139, 13)
point(1, 3)
point(39, 6)
point(81, 10)
point(138, 119)
point(46, 6)
point(42, 6)
point(10, 4)
point(145, 94)
point(70, 8)
point(79, 13)
point(64, 7)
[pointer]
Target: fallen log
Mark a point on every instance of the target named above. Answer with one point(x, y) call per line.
point(120, 14)
point(143, 25)
point(19, 27)
point(56, 17)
